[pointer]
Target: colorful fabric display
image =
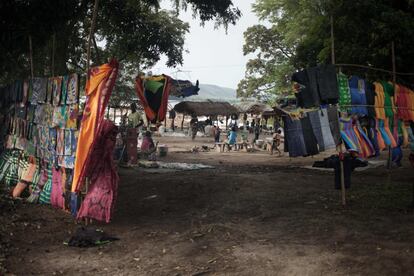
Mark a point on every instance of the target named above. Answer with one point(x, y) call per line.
point(294, 141)
point(311, 144)
point(56, 196)
point(99, 202)
point(59, 116)
point(39, 86)
point(153, 93)
point(98, 90)
point(389, 99)
point(64, 91)
point(56, 90)
point(403, 101)
point(60, 140)
point(68, 142)
point(72, 116)
point(355, 139)
point(49, 90)
point(72, 94)
point(358, 97)
point(370, 98)
point(379, 101)
point(328, 139)
point(317, 129)
point(47, 188)
point(344, 93)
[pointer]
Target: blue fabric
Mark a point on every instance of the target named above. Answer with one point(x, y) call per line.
point(74, 204)
point(358, 97)
point(294, 137)
point(317, 129)
point(232, 137)
point(328, 139)
point(397, 153)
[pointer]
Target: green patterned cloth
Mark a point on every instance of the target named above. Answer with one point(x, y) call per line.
point(47, 188)
point(344, 93)
point(5, 164)
point(11, 177)
point(388, 102)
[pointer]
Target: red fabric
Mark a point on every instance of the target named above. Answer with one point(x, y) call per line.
point(99, 202)
point(56, 197)
point(151, 115)
point(98, 91)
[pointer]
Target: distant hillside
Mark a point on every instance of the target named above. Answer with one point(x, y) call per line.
point(211, 92)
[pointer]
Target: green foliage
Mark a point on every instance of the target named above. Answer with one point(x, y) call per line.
point(297, 35)
point(136, 32)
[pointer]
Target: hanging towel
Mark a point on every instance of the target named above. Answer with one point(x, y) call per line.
point(294, 136)
point(98, 90)
point(328, 139)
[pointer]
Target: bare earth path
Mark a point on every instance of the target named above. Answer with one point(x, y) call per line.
point(253, 214)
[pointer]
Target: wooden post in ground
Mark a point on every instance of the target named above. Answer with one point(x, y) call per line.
point(339, 147)
point(182, 123)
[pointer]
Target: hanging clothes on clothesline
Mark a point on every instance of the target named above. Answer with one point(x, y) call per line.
point(308, 133)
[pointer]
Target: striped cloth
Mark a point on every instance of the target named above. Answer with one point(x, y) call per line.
point(47, 188)
point(11, 177)
point(4, 163)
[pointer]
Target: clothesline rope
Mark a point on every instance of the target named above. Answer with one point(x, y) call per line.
point(373, 68)
point(383, 107)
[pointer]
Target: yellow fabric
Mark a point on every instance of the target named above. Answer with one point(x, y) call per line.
point(379, 101)
point(94, 88)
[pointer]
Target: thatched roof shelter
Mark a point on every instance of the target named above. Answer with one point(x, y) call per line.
point(206, 108)
point(252, 107)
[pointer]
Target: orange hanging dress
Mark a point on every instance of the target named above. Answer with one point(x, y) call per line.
point(379, 101)
point(98, 90)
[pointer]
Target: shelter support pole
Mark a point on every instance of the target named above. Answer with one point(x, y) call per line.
point(182, 123)
point(226, 121)
point(31, 56)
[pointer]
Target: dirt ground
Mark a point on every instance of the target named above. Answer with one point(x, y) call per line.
point(252, 214)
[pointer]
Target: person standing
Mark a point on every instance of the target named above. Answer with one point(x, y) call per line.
point(217, 133)
point(172, 117)
point(134, 118)
point(256, 131)
point(193, 126)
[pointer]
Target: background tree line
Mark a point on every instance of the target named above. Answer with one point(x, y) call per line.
point(136, 32)
point(296, 34)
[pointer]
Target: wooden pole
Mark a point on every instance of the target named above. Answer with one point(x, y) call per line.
point(339, 147)
point(53, 54)
point(182, 123)
point(394, 79)
point(332, 40)
point(91, 33)
point(31, 56)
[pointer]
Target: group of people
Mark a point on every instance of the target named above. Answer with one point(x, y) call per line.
point(136, 121)
point(231, 140)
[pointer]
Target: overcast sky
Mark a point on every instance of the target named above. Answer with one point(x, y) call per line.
point(214, 57)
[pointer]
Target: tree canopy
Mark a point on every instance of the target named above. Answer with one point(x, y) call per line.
point(297, 35)
point(137, 32)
